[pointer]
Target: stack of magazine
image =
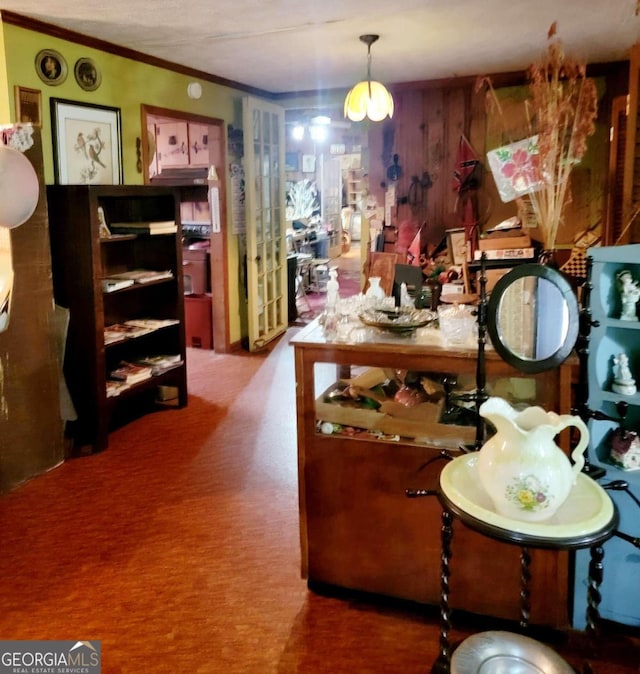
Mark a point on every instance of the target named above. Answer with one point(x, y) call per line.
point(161, 363)
point(160, 227)
point(129, 373)
point(135, 328)
point(140, 276)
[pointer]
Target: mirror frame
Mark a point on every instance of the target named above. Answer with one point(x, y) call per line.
point(501, 286)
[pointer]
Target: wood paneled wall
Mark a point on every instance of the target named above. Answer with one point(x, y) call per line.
point(424, 133)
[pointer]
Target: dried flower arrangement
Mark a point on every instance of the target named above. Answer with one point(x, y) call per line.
point(560, 113)
point(301, 200)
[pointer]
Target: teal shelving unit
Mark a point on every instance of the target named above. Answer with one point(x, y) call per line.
point(609, 337)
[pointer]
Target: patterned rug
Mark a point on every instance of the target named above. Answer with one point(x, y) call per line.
point(312, 304)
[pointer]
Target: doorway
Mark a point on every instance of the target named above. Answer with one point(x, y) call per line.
point(181, 150)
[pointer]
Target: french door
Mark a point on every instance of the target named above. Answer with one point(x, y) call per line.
point(266, 248)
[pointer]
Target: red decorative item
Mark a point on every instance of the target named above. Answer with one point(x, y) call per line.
point(467, 177)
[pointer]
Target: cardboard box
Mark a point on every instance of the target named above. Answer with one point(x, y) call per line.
point(492, 276)
point(493, 242)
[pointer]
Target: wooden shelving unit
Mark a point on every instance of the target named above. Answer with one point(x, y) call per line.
point(80, 260)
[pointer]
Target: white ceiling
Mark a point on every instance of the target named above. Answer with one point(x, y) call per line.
point(287, 45)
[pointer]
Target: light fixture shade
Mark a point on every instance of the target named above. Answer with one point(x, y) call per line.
point(368, 99)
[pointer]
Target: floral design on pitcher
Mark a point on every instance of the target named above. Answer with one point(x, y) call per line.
point(529, 493)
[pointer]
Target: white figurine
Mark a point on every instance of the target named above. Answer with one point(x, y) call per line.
point(629, 295)
point(623, 382)
point(333, 288)
point(405, 298)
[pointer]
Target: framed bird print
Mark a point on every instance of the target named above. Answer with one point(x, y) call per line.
point(87, 145)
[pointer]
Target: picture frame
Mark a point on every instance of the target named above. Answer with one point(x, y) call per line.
point(87, 74)
point(292, 161)
point(308, 163)
point(87, 145)
point(51, 67)
point(28, 105)
point(457, 247)
point(383, 265)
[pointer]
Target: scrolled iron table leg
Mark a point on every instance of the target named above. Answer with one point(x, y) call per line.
point(593, 590)
point(525, 587)
point(443, 664)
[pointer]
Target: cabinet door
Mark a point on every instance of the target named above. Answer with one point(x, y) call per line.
point(172, 143)
point(198, 145)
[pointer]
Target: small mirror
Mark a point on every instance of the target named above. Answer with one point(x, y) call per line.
point(533, 317)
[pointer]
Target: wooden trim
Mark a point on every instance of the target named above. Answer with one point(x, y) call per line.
point(614, 210)
point(630, 149)
point(218, 252)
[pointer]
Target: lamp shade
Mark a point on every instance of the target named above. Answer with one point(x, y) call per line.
point(368, 99)
point(18, 188)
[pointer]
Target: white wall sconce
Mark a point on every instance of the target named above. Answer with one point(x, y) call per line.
point(194, 90)
point(297, 132)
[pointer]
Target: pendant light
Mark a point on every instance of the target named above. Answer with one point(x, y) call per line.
point(368, 98)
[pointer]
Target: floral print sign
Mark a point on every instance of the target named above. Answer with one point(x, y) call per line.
point(516, 168)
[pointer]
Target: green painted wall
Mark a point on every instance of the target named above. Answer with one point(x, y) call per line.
point(126, 84)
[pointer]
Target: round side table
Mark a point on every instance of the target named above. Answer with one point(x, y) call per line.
point(587, 519)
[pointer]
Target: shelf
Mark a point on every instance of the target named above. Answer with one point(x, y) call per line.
point(622, 325)
point(610, 337)
point(80, 261)
point(139, 286)
point(617, 397)
point(117, 238)
point(146, 385)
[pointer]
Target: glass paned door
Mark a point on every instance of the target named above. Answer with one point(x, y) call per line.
point(266, 242)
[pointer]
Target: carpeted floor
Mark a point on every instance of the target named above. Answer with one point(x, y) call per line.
point(178, 547)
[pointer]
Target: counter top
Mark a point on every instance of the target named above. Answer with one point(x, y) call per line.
point(425, 340)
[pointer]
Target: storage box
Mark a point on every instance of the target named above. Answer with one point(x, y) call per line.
point(493, 242)
point(492, 276)
point(198, 321)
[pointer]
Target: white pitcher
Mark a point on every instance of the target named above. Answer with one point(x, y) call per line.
point(527, 475)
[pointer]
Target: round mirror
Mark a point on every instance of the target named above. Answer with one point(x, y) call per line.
point(532, 317)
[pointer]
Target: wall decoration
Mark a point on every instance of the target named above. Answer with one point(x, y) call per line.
point(51, 67)
point(292, 161)
point(28, 105)
point(87, 74)
point(86, 143)
point(457, 246)
point(308, 163)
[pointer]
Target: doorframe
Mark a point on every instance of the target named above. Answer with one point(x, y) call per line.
point(219, 248)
